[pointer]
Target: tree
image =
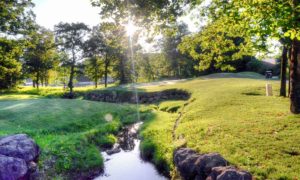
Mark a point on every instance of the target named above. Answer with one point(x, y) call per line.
point(70, 39)
point(145, 13)
point(93, 68)
point(294, 61)
point(216, 48)
point(40, 55)
point(180, 64)
point(116, 51)
point(16, 18)
point(98, 48)
point(283, 64)
point(262, 19)
point(10, 66)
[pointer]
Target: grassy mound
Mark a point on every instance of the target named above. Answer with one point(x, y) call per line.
point(231, 116)
point(69, 132)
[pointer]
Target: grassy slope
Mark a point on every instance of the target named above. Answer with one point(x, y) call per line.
point(232, 116)
point(228, 115)
point(69, 131)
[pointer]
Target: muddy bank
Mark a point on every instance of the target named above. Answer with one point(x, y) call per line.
point(143, 97)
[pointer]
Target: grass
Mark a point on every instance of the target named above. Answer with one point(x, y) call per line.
point(69, 132)
point(228, 114)
point(231, 116)
point(50, 92)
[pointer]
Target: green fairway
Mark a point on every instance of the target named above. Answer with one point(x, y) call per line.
point(69, 131)
point(232, 116)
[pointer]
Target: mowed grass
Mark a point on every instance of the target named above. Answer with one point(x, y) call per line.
point(50, 92)
point(233, 117)
point(69, 132)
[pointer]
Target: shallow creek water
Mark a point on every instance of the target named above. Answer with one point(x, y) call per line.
point(128, 164)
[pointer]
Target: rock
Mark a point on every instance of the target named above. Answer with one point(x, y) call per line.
point(19, 146)
point(115, 149)
point(228, 173)
point(12, 168)
point(192, 165)
point(206, 162)
point(184, 160)
point(18, 157)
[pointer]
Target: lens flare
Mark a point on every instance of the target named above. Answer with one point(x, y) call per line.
point(130, 28)
point(108, 117)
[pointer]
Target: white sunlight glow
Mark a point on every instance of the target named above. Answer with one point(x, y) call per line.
point(130, 28)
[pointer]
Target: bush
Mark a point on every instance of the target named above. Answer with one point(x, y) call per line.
point(261, 66)
point(104, 136)
point(76, 154)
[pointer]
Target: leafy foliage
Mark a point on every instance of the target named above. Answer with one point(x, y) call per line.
point(16, 18)
point(10, 67)
point(40, 55)
point(214, 47)
point(70, 38)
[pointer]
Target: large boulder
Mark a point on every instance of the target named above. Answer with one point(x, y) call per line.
point(192, 165)
point(18, 157)
point(19, 146)
point(228, 173)
point(12, 168)
point(185, 159)
point(206, 162)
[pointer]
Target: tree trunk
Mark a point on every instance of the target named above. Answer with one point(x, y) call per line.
point(295, 77)
point(289, 87)
point(37, 79)
point(96, 83)
point(122, 71)
point(283, 71)
point(70, 84)
point(106, 70)
point(295, 68)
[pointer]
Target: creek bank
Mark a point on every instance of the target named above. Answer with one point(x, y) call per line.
point(126, 138)
point(118, 96)
point(124, 159)
point(212, 166)
point(18, 157)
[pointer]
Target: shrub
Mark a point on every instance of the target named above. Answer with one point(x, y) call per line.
point(261, 66)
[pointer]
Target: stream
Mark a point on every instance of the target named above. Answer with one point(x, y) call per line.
point(123, 161)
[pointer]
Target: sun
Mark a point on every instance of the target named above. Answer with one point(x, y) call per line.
point(130, 28)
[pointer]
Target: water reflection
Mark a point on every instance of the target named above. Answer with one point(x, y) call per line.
point(127, 165)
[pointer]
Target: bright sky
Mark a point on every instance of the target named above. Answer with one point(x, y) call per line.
point(51, 12)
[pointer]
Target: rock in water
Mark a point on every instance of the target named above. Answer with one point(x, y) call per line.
point(228, 173)
point(18, 157)
point(12, 168)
